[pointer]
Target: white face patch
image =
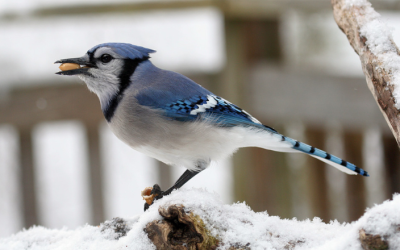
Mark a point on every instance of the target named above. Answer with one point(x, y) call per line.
point(105, 50)
point(114, 67)
point(104, 81)
point(103, 85)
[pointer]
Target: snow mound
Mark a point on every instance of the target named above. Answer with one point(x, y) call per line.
point(232, 225)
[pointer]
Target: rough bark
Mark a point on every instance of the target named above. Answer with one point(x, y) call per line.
point(184, 230)
point(179, 230)
point(349, 20)
point(372, 242)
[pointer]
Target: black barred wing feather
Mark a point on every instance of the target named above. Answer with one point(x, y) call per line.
point(214, 108)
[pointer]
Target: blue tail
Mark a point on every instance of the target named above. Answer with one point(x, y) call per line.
point(341, 164)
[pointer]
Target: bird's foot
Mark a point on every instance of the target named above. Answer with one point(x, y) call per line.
point(150, 194)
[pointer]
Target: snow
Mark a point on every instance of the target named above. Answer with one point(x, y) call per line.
point(234, 224)
point(379, 221)
point(379, 40)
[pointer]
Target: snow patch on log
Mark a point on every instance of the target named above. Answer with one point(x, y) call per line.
point(233, 226)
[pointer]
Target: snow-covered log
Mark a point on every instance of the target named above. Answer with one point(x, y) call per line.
point(197, 219)
point(372, 40)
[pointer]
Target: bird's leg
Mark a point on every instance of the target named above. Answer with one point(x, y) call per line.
point(158, 193)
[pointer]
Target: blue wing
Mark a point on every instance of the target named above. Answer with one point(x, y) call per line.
point(181, 99)
point(212, 108)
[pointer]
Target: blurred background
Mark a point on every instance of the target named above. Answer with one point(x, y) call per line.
point(284, 61)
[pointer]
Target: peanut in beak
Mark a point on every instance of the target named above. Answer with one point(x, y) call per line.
point(69, 66)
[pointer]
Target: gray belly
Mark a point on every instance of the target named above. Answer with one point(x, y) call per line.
point(173, 142)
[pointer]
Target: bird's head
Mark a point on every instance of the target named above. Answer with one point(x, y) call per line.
point(105, 67)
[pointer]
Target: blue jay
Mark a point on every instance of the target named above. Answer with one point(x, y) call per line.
point(169, 117)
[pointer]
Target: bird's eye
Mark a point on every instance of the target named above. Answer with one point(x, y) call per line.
point(106, 58)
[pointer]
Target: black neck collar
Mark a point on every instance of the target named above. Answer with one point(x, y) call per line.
point(124, 81)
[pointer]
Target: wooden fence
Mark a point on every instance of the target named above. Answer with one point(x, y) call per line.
point(288, 185)
point(285, 185)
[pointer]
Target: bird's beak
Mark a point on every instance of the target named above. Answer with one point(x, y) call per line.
point(74, 66)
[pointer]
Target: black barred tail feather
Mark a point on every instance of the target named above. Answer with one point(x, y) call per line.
point(332, 160)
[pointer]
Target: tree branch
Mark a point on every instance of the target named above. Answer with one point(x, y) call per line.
point(378, 56)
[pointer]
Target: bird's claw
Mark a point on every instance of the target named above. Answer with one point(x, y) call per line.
point(157, 192)
point(150, 194)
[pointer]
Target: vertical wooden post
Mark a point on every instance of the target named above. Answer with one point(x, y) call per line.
point(95, 173)
point(267, 183)
point(317, 183)
point(392, 163)
point(281, 184)
point(356, 199)
point(298, 175)
point(373, 152)
point(230, 87)
point(27, 177)
point(164, 175)
point(233, 74)
point(259, 179)
point(254, 175)
point(241, 162)
point(336, 180)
